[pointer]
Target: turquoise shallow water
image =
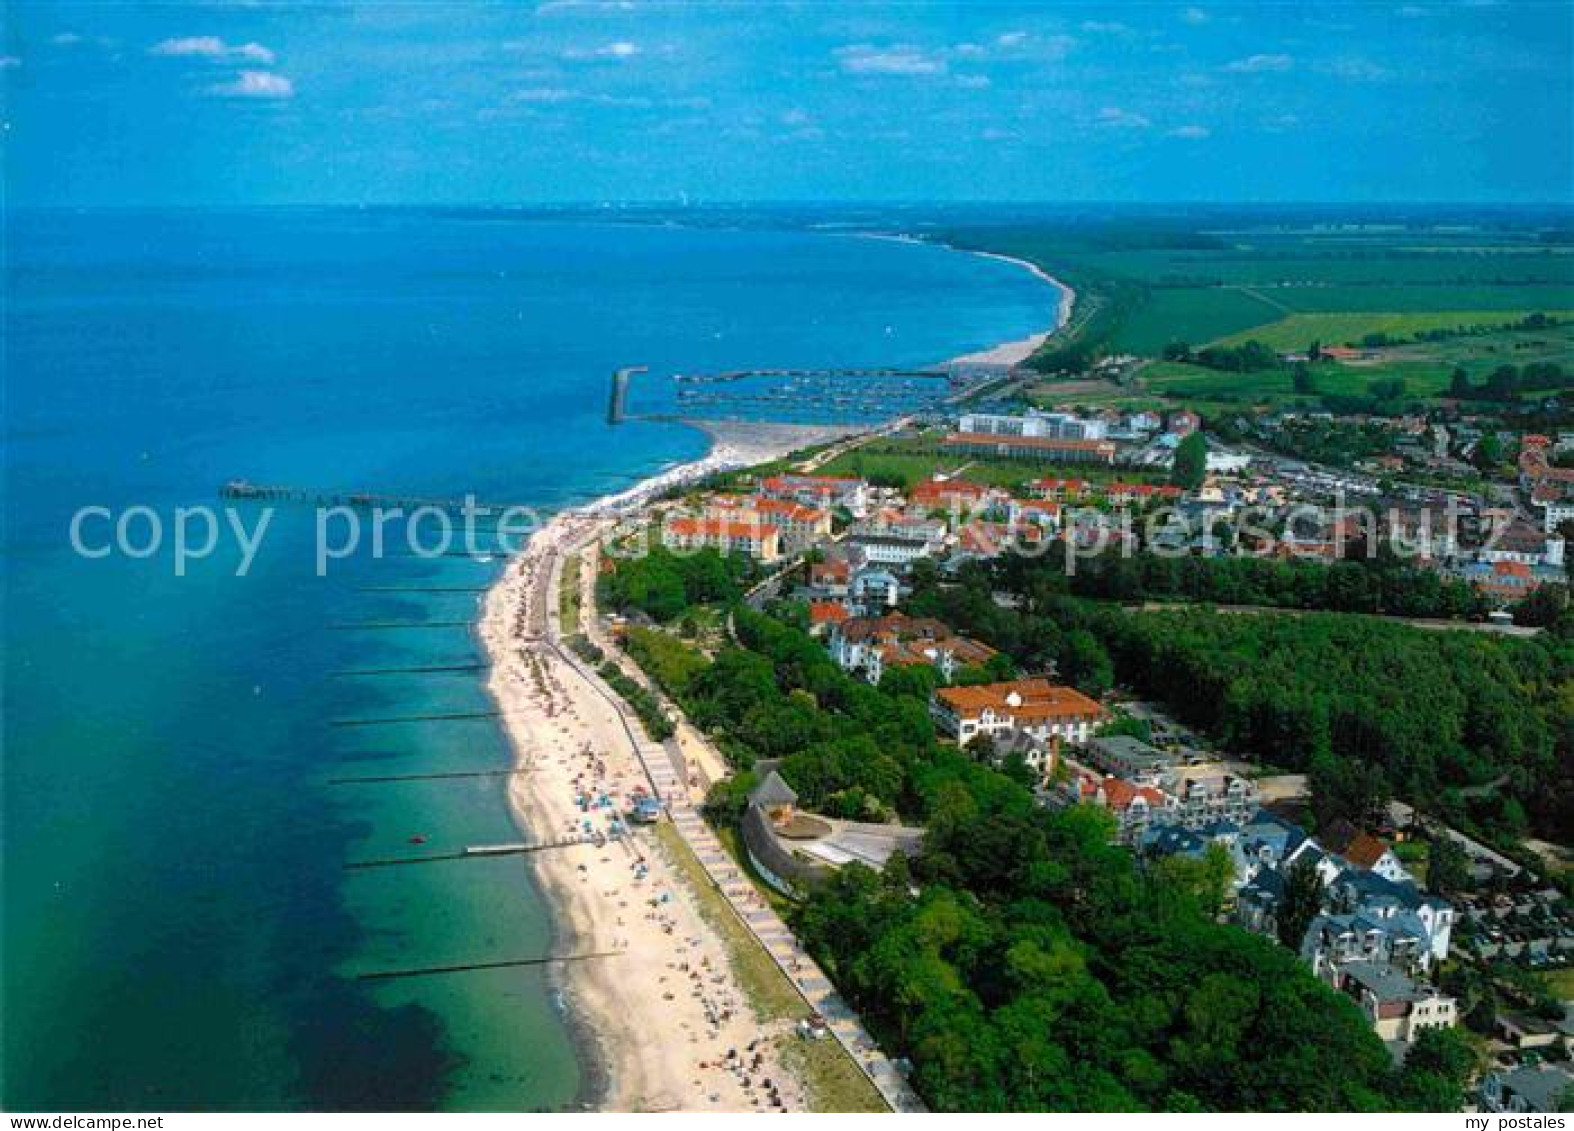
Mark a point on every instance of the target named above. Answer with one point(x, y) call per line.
point(179, 929)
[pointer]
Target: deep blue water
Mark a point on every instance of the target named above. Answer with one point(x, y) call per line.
point(179, 929)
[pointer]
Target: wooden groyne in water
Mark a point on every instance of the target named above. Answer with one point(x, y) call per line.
point(451, 775)
point(385, 625)
point(507, 963)
point(420, 589)
point(438, 717)
point(420, 669)
point(244, 490)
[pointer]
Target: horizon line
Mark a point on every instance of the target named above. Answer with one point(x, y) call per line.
point(695, 206)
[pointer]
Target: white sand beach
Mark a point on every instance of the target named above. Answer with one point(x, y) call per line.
point(1005, 353)
point(1016, 352)
point(670, 1024)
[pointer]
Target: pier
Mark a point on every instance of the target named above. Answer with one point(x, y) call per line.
point(617, 399)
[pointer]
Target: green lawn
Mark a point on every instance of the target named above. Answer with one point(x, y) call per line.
point(1561, 983)
point(568, 595)
point(913, 460)
point(833, 1079)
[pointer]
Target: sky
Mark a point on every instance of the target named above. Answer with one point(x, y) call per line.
point(446, 101)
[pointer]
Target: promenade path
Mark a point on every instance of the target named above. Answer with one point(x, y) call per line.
point(668, 782)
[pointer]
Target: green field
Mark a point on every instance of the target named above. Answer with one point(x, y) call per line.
point(1196, 278)
point(1203, 314)
point(911, 460)
point(1192, 314)
point(1297, 331)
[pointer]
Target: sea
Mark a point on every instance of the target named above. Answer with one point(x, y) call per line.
point(193, 757)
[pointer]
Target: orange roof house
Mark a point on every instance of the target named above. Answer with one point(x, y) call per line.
point(823, 614)
point(937, 494)
point(1035, 706)
point(755, 539)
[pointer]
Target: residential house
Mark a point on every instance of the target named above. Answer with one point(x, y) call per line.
point(1130, 758)
point(1519, 541)
point(1397, 1007)
point(819, 491)
point(1137, 809)
point(868, 646)
point(1364, 851)
point(1532, 1089)
point(799, 526)
point(1057, 489)
point(1502, 583)
point(729, 536)
point(954, 495)
point(873, 588)
point(825, 616)
point(1042, 709)
point(831, 575)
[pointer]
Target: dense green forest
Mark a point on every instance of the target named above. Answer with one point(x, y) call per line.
point(1023, 962)
point(662, 584)
point(1371, 708)
point(1037, 969)
point(1382, 585)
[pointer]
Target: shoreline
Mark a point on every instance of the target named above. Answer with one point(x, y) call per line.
point(605, 1010)
point(1017, 351)
point(561, 730)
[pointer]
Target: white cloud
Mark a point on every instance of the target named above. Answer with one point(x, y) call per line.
point(1123, 119)
point(9, 62)
point(558, 96)
point(1260, 64)
point(972, 82)
point(1191, 132)
point(212, 47)
point(1105, 27)
point(255, 84)
point(898, 59)
point(1011, 39)
point(1282, 122)
point(1358, 69)
point(1195, 16)
point(550, 6)
point(620, 50)
point(995, 133)
point(1412, 11)
point(542, 94)
point(65, 39)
